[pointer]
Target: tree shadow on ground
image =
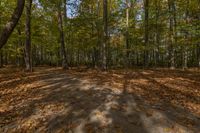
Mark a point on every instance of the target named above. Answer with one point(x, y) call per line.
point(170, 101)
point(84, 103)
point(70, 104)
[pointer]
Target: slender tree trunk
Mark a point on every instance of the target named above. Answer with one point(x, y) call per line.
point(6, 57)
point(198, 43)
point(28, 36)
point(185, 49)
point(62, 39)
point(108, 47)
point(171, 35)
point(157, 38)
point(41, 55)
point(19, 45)
point(198, 55)
point(9, 27)
point(99, 40)
point(127, 62)
point(1, 58)
point(65, 9)
point(1, 50)
point(105, 35)
point(94, 51)
point(132, 14)
point(174, 33)
point(146, 37)
point(64, 31)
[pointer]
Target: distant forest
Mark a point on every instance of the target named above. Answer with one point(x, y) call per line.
point(100, 33)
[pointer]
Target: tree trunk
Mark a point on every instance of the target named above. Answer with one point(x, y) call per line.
point(198, 55)
point(20, 45)
point(198, 45)
point(171, 35)
point(62, 39)
point(174, 33)
point(99, 40)
point(1, 58)
point(65, 24)
point(28, 57)
point(5, 57)
point(105, 34)
point(146, 37)
point(65, 9)
point(127, 62)
point(157, 37)
point(9, 27)
point(1, 50)
point(185, 49)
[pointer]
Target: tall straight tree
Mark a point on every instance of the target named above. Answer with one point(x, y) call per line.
point(9, 27)
point(171, 34)
point(146, 34)
point(65, 9)
point(20, 44)
point(27, 54)
point(1, 50)
point(157, 36)
point(198, 55)
point(1, 59)
point(99, 40)
point(185, 49)
point(174, 8)
point(127, 33)
point(62, 37)
point(105, 34)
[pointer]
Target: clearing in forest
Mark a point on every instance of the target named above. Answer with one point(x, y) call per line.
point(91, 101)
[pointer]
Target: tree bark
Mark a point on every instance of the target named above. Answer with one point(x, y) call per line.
point(127, 62)
point(157, 37)
point(62, 39)
point(146, 36)
point(28, 57)
point(185, 49)
point(105, 34)
point(99, 40)
point(174, 33)
point(65, 9)
point(20, 44)
point(9, 27)
point(198, 55)
point(1, 58)
point(171, 35)
point(198, 43)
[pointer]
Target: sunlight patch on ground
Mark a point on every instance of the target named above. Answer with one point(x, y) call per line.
point(82, 103)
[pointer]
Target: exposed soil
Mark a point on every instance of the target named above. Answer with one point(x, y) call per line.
point(91, 101)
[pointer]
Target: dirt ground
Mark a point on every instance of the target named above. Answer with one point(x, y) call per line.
point(90, 101)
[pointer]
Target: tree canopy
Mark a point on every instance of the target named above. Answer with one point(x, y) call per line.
point(106, 33)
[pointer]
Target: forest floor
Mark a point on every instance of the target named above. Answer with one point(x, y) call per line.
point(91, 101)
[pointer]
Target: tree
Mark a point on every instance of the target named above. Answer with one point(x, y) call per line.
point(27, 54)
point(146, 34)
point(9, 27)
point(127, 33)
point(157, 36)
point(62, 38)
point(185, 51)
point(105, 34)
point(171, 33)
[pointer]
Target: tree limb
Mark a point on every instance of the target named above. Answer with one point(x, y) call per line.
point(9, 27)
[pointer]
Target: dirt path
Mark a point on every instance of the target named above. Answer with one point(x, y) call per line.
point(51, 100)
